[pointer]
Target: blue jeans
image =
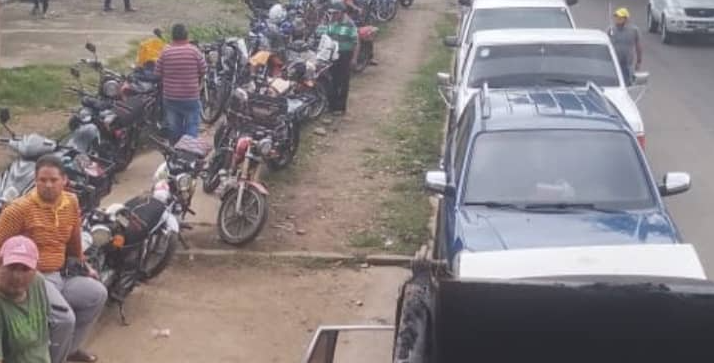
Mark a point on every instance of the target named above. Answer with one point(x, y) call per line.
point(182, 117)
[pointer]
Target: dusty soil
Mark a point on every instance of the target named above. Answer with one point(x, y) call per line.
point(60, 38)
point(248, 312)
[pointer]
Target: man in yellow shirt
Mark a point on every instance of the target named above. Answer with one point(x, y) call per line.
point(50, 217)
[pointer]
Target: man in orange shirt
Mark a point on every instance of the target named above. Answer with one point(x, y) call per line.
point(50, 216)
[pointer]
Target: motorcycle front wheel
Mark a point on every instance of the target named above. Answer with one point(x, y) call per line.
point(287, 151)
point(320, 106)
point(238, 228)
point(362, 61)
point(214, 102)
point(212, 180)
point(160, 249)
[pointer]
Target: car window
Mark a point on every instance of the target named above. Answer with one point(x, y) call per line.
point(519, 18)
point(463, 133)
point(558, 166)
point(532, 65)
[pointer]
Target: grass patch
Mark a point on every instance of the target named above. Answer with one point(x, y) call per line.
point(417, 130)
point(366, 239)
point(34, 87)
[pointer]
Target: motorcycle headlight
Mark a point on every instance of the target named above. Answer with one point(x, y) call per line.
point(228, 52)
point(212, 57)
point(85, 114)
point(264, 146)
point(111, 88)
point(101, 235)
point(183, 182)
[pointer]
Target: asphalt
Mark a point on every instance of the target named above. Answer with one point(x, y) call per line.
point(678, 115)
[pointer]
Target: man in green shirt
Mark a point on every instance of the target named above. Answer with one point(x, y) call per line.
point(343, 30)
point(24, 328)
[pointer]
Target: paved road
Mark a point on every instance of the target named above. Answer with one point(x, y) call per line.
point(679, 119)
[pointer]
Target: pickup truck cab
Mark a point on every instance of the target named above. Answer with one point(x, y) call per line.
point(507, 14)
point(547, 167)
point(515, 58)
point(640, 304)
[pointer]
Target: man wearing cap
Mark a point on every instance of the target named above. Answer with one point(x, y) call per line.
point(50, 217)
point(625, 37)
point(343, 30)
point(24, 329)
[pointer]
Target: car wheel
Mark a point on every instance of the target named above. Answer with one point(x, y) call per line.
point(652, 25)
point(664, 33)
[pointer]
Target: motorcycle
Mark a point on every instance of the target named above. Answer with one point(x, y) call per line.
point(227, 67)
point(244, 205)
point(119, 124)
point(109, 85)
point(366, 35)
point(176, 178)
point(128, 243)
point(89, 176)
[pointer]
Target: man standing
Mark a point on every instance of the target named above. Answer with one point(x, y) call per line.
point(24, 330)
point(181, 67)
point(51, 218)
point(127, 6)
point(625, 37)
point(341, 28)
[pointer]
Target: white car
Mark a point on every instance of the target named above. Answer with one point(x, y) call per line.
point(508, 14)
point(680, 17)
point(515, 58)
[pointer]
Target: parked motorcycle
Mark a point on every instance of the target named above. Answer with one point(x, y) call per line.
point(244, 205)
point(227, 68)
point(129, 242)
point(89, 176)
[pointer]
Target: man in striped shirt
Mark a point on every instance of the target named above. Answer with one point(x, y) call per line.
point(50, 217)
point(181, 67)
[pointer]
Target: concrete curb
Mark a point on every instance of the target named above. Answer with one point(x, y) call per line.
point(376, 259)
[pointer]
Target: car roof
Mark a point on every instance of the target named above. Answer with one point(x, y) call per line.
point(530, 36)
point(491, 4)
point(546, 108)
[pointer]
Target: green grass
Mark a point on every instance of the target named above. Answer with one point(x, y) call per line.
point(416, 129)
point(34, 87)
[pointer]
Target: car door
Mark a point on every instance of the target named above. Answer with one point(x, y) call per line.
point(454, 161)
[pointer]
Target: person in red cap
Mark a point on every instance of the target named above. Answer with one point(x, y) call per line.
point(24, 308)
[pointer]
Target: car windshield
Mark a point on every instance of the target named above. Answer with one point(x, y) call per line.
point(558, 167)
point(521, 17)
point(532, 65)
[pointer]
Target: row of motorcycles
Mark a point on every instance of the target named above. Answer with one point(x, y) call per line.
point(262, 88)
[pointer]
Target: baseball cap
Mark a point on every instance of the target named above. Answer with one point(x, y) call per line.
point(19, 249)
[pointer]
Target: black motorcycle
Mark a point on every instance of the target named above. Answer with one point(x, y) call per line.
point(227, 68)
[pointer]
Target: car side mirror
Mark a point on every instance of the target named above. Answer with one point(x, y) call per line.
point(436, 183)
point(571, 2)
point(91, 47)
point(445, 87)
point(4, 115)
point(675, 183)
point(465, 2)
point(451, 41)
point(641, 78)
point(74, 72)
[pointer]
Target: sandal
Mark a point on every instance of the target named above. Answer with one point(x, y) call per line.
point(82, 356)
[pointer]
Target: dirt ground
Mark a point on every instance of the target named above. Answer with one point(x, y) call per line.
point(248, 312)
point(60, 38)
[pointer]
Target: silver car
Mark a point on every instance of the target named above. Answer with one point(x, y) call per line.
point(673, 18)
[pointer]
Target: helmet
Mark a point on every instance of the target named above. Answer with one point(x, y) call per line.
point(277, 14)
point(622, 13)
point(337, 5)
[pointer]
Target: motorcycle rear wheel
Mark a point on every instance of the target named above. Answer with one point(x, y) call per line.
point(159, 252)
point(253, 203)
point(362, 61)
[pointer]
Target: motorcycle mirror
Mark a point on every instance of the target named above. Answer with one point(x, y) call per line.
point(90, 47)
point(74, 72)
point(158, 33)
point(4, 115)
